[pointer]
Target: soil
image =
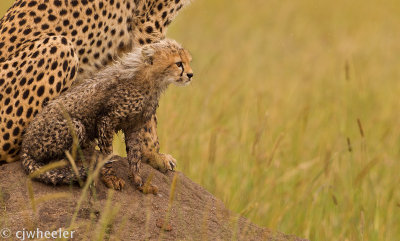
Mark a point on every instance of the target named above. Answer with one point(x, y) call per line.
point(191, 214)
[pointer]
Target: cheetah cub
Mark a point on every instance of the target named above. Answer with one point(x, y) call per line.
point(121, 97)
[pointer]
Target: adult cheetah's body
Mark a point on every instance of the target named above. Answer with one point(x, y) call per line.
point(46, 45)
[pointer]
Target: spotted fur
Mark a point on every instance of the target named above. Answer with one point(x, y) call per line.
point(47, 45)
point(122, 97)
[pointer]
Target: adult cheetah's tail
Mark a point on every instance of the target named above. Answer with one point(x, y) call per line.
point(64, 175)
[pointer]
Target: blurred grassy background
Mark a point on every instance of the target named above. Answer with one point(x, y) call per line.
point(270, 123)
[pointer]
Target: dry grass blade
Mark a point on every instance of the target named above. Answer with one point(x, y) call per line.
point(74, 167)
point(365, 171)
point(275, 148)
point(31, 194)
point(360, 127)
point(75, 139)
point(107, 217)
point(349, 148)
point(171, 200)
point(91, 177)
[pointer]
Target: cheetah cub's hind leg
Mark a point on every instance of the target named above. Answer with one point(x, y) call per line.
point(41, 145)
point(31, 77)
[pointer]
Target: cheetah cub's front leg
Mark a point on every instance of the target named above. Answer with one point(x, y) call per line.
point(151, 149)
point(142, 146)
point(107, 173)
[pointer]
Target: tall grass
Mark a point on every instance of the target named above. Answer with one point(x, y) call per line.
point(272, 123)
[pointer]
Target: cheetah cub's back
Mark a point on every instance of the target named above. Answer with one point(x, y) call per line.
point(122, 97)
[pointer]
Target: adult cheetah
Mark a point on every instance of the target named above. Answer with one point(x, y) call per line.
point(46, 45)
point(124, 97)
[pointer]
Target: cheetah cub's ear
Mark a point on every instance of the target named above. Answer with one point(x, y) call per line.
point(148, 53)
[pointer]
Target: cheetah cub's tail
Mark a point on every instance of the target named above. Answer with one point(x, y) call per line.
point(64, 175)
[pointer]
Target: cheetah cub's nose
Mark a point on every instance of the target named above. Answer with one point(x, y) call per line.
point(190, 75)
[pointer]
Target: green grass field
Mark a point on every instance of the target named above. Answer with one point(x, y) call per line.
point(293, 118)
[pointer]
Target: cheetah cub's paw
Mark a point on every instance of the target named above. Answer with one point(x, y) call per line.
point(113, 182)
point(165, 163)
point(109, 177)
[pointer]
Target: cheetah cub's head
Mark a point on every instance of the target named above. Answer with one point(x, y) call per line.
point(169, 62)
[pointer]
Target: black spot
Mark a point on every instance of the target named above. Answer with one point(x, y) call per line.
point(40, 76)
point(29, 69)
point(12, 30)
point(53, 50)
point(29, 112)
point(66, 22)
point(25, 94)
point(42, 7)
point(21, 15)
point(58, 87)
point(9, 110)
point(57, 3)
point(40, 63)
point(6, 136)
point(27, 31)
point(20, 110)
point(9, 124)
point(65, 65)
point(73, 71)
point(40, 91)
point(52, 17)
point(149, 29)
point(45, 26)
point(35, 54)
point(16, 131)
point(63, 12)
point(45, 101)
point(22, 81)
point(6, 147)
point(22, 22)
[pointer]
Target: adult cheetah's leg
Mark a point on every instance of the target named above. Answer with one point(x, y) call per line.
point(37, 73)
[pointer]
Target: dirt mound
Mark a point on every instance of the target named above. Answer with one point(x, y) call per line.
point(192, 213)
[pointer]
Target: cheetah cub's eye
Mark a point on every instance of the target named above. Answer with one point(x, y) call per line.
point(179, 64)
